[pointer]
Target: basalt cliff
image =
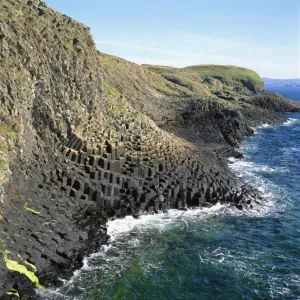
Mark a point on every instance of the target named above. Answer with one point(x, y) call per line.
point(85, 136)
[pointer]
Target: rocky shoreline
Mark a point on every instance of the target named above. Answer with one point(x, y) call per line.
point(85, 137)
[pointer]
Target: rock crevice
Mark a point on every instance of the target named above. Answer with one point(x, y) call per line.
point(85, 137)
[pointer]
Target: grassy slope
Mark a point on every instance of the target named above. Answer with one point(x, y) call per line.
point(193, 82)
point(199, 102)
point(202, 79)
point(145, 90)
point(162, 92)
point(146, 82)
point(231, 75)
point(132, 79)
point(149, 88)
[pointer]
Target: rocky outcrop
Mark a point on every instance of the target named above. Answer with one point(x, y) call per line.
point(80, 143)
point(210, 106)
point(273, 102)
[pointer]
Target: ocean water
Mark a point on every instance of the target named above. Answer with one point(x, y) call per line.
point(216, 253)
point(290, 92)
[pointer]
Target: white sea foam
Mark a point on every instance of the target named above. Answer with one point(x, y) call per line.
point(275, 199)
point(161, 220)
point(256, 128)
point(290, 121)
point(246, 168)
point(121, 230)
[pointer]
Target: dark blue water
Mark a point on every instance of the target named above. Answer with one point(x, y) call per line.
point(290, 92)
point(216, 253)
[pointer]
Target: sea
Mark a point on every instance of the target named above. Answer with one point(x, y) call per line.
point(210, 253)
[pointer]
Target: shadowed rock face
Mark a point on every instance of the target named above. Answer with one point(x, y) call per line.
point(208, 105)
point(75, 152)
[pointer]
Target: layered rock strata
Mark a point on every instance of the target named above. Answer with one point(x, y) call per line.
point(77, 149)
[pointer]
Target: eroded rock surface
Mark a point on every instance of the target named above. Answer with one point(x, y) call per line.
point(77, 145)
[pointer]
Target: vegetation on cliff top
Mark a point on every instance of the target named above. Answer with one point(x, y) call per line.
point(202, 78)
point(45, 68)
point(230, 75)
point(147, 83)
point(131, 79)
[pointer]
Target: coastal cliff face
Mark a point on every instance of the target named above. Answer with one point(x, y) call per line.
point(85, 136)
point(208, 105)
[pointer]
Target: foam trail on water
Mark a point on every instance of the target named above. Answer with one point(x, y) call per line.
point(129, 231)
point(121, 231)
point(254, 174)
point(290, 121)
point(161, 220)
point(255, 129)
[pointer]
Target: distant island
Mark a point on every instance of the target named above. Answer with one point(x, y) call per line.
point(282, 82)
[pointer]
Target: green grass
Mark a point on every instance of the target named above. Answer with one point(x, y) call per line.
point(17, 267)
point(3, 147)
point(2, 243)
point(31, 210)
point(74, 53)
point(14, 293)
point(198, 79)
point(109, 61)
point(119, 71)
point(163, 88)
point(188, 82)
point(2, 164)
point(9, 128)
point(110, 91)
point(229, 74)
point(116, 106)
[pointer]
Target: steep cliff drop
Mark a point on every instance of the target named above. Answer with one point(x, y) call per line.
point(76, 148)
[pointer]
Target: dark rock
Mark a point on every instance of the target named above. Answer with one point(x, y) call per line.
point(83, 154)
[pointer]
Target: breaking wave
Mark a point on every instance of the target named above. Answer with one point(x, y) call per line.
point(211, 252)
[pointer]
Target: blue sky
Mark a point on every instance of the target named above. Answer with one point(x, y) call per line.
point(263, 35)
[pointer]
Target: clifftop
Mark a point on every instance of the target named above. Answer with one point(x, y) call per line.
point(208, 105)
point(203, 80)
point(212, 77)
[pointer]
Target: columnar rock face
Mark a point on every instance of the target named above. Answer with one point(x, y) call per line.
point(208, 105)
point(75, 152)
point(121, 164)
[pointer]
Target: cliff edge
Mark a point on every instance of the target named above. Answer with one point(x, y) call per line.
point(86, 136)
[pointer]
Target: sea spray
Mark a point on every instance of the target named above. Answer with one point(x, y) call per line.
point(205, 253)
